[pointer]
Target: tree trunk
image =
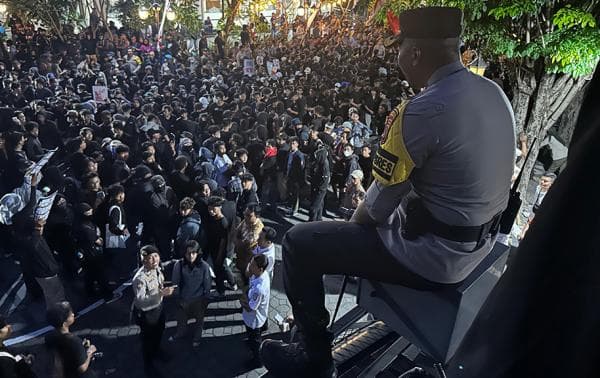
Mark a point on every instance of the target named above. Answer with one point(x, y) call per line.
point(535, 126)
point(234, 8)
point(552, 96)
point(522, 96)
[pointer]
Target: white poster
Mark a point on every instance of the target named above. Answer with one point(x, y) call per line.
point(249, 69)
point(100, 93)
point(272, 70)
point(42, 210)
point(37, 167)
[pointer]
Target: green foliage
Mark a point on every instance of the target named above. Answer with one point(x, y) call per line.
point(569, 17)
point(127, 13)
point(515, 9)
point(188, 17)
point(53, 14)
point(563, 38)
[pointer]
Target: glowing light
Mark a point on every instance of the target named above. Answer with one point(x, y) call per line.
point(171, 16)
point(143, 12)
point(300, 12)
point(3, 8)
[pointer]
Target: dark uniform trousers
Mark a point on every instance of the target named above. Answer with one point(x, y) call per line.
point(254, 340)
point(313, 249)
point(152, 326)
point(318, 191)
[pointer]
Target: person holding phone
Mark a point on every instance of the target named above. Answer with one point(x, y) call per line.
point(149, 291)
point(72, 355)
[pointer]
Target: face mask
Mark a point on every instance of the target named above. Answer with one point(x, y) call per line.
point(347, 153)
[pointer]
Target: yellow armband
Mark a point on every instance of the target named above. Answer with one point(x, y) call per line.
point(392, 164)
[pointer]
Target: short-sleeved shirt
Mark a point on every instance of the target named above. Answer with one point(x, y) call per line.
point(269, 252)
point(459, 134)
point(258, 301)
point(146, 288)
point(71, 352)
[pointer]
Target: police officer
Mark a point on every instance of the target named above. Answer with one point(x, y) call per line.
point(450, 150)
point(149, 291)
point(319, 181)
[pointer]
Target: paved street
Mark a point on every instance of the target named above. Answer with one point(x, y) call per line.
point(223, 352)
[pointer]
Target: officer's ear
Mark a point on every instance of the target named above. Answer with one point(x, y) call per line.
point(415, 55)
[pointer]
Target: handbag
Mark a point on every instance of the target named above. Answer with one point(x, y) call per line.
point(113, 240)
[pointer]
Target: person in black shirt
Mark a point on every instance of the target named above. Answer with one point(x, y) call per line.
point(219, 226)
point(365, 161)
point(245, 36)
point(32, 146)
point(220, 44)
point(248, 195)
point(217, 108)
point(320, 177)
point(72, 354)
point(89, 241)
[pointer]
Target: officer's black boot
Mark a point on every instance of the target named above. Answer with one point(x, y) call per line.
point(300, 359)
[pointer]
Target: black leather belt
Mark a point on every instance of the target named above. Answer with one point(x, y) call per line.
point(464, 234)
point(420, 221)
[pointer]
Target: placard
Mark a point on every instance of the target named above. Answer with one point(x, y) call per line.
point(44, 205)
point(249, 69)
point(100, 93)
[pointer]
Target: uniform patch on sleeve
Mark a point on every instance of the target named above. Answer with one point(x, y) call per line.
point(392, 163)
point(384, 163)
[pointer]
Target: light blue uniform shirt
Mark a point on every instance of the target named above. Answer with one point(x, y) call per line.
point(459, 132)
point(258, 301)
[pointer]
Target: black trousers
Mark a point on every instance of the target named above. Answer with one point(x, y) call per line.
point(222, 270)
point(317, 201)
point(152, 326)
point(313, 249)
point(293, 188)
point(94, 268)
point(254, 340)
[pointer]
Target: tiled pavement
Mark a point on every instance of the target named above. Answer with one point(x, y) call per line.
point(222, 353)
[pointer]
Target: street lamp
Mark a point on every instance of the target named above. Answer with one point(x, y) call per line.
point(171, 16)
point(143, 12)
point(300, 11)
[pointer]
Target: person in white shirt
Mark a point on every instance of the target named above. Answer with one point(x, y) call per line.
point(223, 163)
point(255, 306)
point(265, 246)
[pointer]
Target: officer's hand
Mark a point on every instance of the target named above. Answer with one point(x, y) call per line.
point(167, 291)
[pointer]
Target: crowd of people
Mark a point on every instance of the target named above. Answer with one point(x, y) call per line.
point(111, 142)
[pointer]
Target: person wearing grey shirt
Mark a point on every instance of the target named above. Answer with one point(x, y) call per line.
point(192, 280)
point(442, 179)
point(149, 291)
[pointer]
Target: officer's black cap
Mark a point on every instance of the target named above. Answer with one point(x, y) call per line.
point(429, 23)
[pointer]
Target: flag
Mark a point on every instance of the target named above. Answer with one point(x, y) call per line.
point(393, 22)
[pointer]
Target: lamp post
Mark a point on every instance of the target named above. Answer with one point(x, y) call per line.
point(155, 8)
